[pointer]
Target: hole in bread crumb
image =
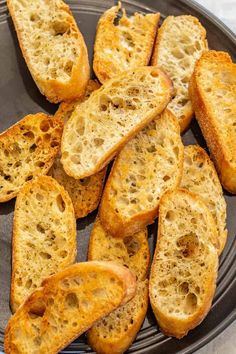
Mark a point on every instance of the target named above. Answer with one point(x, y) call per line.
point(28, 284)
point(63, 254)
point(60, 203)
point(98, 142)
point(84, 181)
point(170, 215)
point(54, 143)
point(37, 341)
point(37, 309)
point(166, 178)
point(75, 159)
point(188, 245)
point(45, 255)
point(29, 134)
point(154, 73)
point(184, 288)
point(44, 126)
point(40, 228)
point(132, 245)
point(72, 300)
point(100, 293)
point(29, 178)
point(190, 303)
point(74, 324)
point(32, 148)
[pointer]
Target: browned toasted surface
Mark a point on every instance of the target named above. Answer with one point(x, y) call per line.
point(184, 269)
point(52, 46)
point(125, 45)
point(66, 305)
point(180, 42)
point(149, 165)
point(27, 149)
point(213, 95)
point(115, 332)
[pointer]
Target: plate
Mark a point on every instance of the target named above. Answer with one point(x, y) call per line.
point(19, 96)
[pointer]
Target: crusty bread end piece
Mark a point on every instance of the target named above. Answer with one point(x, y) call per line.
point(66, 305)
point(185, 263)
point(85, 193)
point(125, 45)
point(149, 165)
point(53, 47)
point(27, 150)
point(180, 42)
point(200, 177)
point(115, 332)
point(112, 115)
point(44, 236)
point(213, 95)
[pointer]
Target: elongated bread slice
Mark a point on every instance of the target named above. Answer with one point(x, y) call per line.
point(200, 177)
point(85, 193)
point(52, 46)
point(44, 236)
point(184, 269)
point(125, 45)
point(27, 149)
point(115, 332)
point(180, 42)
point(66, 305)
point(132, 251)
point(149, 165)
point(111, 116)
point(213, 95)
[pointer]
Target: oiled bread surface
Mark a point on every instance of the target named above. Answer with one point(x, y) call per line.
point(115, 332)
point(44, 236)
point(200, 177)
point(53, 47)
point(180, 42)
point(184, 269)
point(213, 95)
point(150, 164)
point(66, 305)
point(85, 193)
point(100, 126)
point(27, 149)
point(125, 45)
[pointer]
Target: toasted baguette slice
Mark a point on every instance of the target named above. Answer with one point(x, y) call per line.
point(131, 251)
point(66, 305)
point(184, 269)
point(200, 177)
point(180, 42)
point(52, 46)
point(115, 332)
point(27, 149)
point(111, 116)
point(44, 236)
point(213, 95)
point(126, 45)
point(85, 193)
point(150, 164)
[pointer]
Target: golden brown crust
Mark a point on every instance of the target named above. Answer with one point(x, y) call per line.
point(178, 324)
point(158, 59)
point(39, 307)
point(208, 123)
point(28, 149)
point(55, 90)
point(112, 219)
point(126, 45)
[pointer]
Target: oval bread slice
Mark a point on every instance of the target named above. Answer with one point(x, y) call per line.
point(149, 165)
point(111, 116)
point(213, 95)
point(44, 236)
point(27, 149)
point(52, 46)
point(85, 193)
point(180, 42)
point(115, 332)
point(125, 45)
point(184, 269)
point(66, 305)
point(200, 177)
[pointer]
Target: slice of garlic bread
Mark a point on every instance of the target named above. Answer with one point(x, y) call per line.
point(185, 263)
point(44, 236)
point(149, 165)
point(125, 45)
point(180, 42)
point(200, 177)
